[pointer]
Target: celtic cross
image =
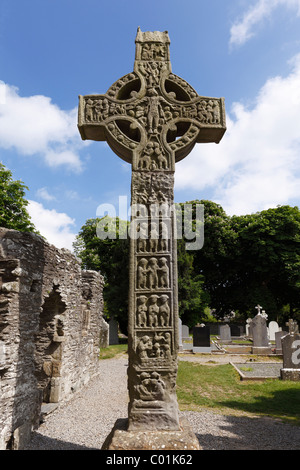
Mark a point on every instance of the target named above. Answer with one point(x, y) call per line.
point(152, 119)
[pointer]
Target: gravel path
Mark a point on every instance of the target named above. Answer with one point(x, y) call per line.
point(84, 422)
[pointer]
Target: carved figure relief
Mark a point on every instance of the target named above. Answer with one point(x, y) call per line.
point(153, 311)
point(142, 274)
point(153, 238)
point(151, 387)
point(155, 188)
point(154, 51)
point(155, 345)
point(164, 273)
point(164, 311)
point(142, 311)
point(153, 273)
point(153, 158)
point(208, 112)
point(152, 270)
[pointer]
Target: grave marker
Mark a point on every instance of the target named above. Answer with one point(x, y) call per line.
point(260, 334)
point(225, 334)
point(291, 353)
point(201, 339)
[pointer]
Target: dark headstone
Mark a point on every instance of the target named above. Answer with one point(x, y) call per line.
point(236, 330)
point(291, 357)
point(201, 339)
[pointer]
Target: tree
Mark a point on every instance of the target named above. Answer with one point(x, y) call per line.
point(192, 299)
point(13, 212)
point(269, 252)
point(215, 261)
point(251, 259)
point(110, 256)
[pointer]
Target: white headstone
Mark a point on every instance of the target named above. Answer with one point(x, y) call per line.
point(273, 328)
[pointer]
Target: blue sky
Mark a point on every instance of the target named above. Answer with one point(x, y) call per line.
point(247, 51)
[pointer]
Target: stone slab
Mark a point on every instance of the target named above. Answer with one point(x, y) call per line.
point(122, 439)
point(290, 374)
point(261, 350)
point(201, 349)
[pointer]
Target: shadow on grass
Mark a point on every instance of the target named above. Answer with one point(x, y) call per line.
point(284, 404)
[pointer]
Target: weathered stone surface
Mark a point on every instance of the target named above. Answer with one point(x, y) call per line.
point(260, 335)
point(49, 330)
point(291, 353)
point(122, 439)
point(152, 118)
point(225, 334)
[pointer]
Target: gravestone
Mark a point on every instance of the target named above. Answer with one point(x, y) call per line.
point(113, 329)
point(260, 335)
point(273, 328)
point(278, 337)
point(201, 339)
point(180, 333)
point(152, 119)
point(185, 332)
point(225, 334)
point(104, 334)
point(248, 327)
point(236, 330)
point(291, 353)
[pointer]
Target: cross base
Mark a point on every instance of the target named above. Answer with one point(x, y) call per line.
point(122, 439)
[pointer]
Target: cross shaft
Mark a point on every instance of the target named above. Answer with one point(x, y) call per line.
point(152, 118)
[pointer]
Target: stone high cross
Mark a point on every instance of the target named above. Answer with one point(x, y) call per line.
point(152, 118)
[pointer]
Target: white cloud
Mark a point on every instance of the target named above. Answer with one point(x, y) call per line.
point(34, 125)
point(44, 194)
point(55, 226)
point(244, 28)
point(257, 164)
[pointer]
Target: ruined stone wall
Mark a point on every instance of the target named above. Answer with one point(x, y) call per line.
point(50, 320)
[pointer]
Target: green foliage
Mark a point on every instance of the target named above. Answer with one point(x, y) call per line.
point(192, 299)
point(251, 259)
point(268, 254)
point(13, 212)
point(110, 256)
point(219, 387)
point(245, 260)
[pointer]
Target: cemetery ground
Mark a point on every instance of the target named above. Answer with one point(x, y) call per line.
point(209, 381)
point(225, 412)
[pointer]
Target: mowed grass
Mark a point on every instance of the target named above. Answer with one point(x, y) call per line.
point(219, 387)
point(113, 351)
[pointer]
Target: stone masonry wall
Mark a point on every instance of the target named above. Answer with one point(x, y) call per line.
point(50, 320)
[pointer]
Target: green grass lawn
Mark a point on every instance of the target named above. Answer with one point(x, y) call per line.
point(113, 351)
point(220, 388)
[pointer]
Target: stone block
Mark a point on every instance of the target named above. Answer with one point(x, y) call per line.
point(122, 439)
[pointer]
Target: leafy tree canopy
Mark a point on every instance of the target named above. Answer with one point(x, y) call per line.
point(13, 212)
